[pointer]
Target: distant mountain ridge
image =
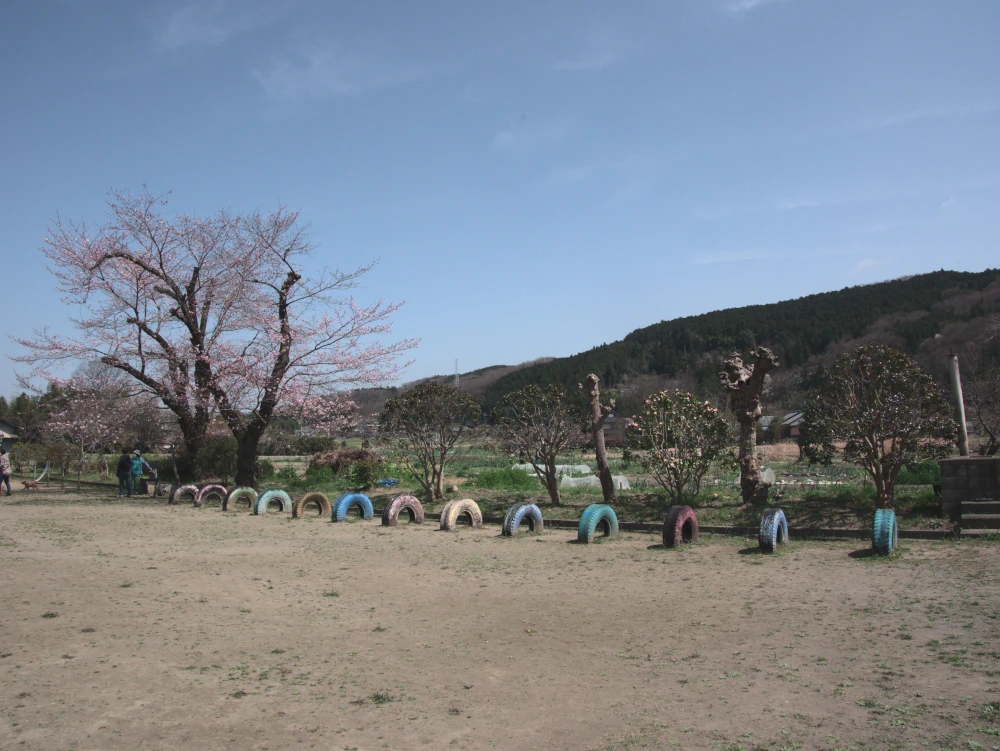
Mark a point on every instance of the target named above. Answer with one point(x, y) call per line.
point(913, 313)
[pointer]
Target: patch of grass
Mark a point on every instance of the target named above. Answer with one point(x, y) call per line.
point(50, 614)
point(507, 479)
point(238, 694)
point(331, 593)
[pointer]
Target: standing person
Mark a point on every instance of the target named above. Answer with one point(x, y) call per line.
point(124, 472)
point(4, 469)
point(137, 464)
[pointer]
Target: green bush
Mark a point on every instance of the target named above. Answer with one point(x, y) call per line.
point(217, 458)
point(287, 476)
point(265, 469)
point(921, 473)
point(507, 479)
point(362, 475)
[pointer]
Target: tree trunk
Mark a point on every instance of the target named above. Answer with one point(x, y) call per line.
point(246, 458)
point(439, 482)
point(751, 488)
point(552, 484)
point(597, 415)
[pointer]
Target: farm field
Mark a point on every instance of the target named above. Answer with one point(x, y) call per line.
point(134, 624)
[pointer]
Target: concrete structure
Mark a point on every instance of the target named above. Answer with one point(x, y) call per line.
point(968, 478)
point(8, 434)
point(593, 481)
point(562, 469)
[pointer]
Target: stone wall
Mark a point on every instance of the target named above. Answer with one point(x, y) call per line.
point(964, 478)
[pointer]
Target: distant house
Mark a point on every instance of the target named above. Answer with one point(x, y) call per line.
point(791, 425)
point(614, 431)
point(764, 433)
point(8, 434)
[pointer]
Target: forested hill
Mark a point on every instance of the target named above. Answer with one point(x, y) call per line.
point(913, 308)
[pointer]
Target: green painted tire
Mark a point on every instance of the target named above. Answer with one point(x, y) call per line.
point(885, 532)
point(597, 515)
point(236, 495)
point(268, 497)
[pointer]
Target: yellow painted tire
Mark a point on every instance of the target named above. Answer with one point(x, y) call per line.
point(454, 510)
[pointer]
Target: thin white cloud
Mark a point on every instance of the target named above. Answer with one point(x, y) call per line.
point(595, 61)
point(318, 72)
point(745, 6)
point(890, 120)
point(526, 136)
point(766, 254)
point(864, 263)
point(211, 23)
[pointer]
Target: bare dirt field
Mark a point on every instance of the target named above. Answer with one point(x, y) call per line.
point(138, 625)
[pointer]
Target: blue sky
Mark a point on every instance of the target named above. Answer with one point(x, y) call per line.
point(536, 178)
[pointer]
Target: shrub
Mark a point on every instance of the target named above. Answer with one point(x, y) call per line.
point(340, 460)
point(919, 473)
point(265, 469)
point(507, 479)
point(362, 475)
point(676, 438)
point(217, 458)
point(286, 476)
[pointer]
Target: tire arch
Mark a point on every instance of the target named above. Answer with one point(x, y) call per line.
point(399, 503)
point(595, 516)
point(347, 501)
point(454, 510)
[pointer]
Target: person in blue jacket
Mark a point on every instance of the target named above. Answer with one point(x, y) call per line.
point(136, 470)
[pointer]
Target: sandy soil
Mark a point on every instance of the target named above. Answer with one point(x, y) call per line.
point(127, 625)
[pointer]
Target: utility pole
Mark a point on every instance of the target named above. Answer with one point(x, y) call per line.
point(456, 373)
point(956, 387)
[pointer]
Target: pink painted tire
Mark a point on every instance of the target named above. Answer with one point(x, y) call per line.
point(397, 504)
point(177, 495)
point(680, 526)
point(205, 492)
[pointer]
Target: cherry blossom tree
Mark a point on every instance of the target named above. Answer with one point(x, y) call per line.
point(86, 417)
point(215, 315)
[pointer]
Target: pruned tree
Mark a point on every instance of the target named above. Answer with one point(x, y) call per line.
point(676, 438)
point(216, 313)
point(886, 411)
point(537, 424)
point(745, 384)
point(422, 427)
point(598, 413)
point(982, 392)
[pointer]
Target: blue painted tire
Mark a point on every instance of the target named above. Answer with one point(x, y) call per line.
point(594, 516)
point(521, 512)
point(268, 497)
point(885, 532)
point(343, 504)
point(773, 530)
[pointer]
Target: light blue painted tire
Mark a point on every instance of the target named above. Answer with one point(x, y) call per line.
point(518, 513)
point(773, 530)
point(343, 504)
point(594, 516)
point(885, 532)
point(270, 496)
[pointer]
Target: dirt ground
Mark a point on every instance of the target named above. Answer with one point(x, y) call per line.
point(138, 625)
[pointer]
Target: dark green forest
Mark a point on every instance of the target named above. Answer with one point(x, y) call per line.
point(795, 329)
